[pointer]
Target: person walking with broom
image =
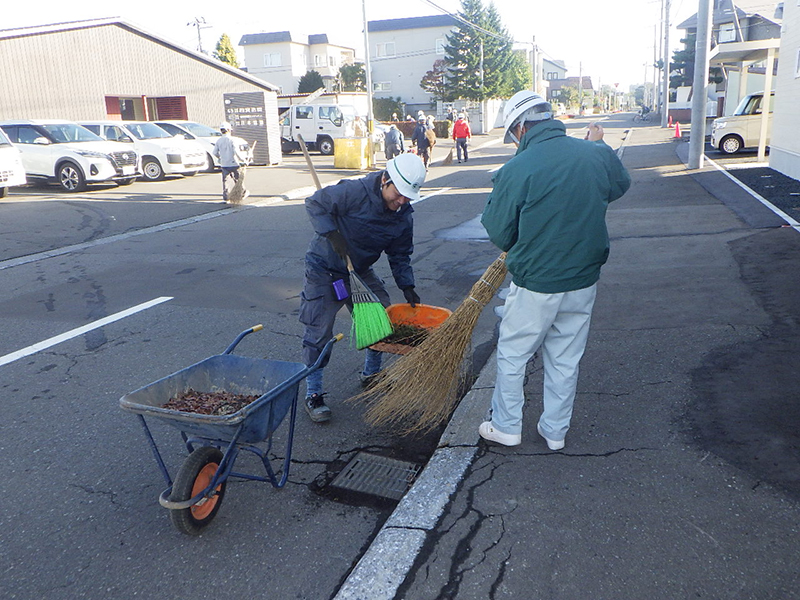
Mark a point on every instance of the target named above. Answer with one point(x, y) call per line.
point(232, 154)
point(547, 211)
point(355, 222)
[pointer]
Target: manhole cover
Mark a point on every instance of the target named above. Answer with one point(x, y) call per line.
point(377, 475)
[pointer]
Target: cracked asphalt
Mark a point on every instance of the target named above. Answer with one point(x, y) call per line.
point(680, 474)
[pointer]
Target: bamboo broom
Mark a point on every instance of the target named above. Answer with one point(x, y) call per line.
point(420, 390)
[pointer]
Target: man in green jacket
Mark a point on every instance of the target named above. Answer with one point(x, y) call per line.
point(547, 211)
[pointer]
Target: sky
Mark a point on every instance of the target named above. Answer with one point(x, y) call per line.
point(609, 41)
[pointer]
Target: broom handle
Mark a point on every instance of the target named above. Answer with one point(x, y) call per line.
point(308, 161)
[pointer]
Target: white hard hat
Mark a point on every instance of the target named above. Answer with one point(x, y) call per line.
point(225, 126)
point(524, 106)
point(407, 172)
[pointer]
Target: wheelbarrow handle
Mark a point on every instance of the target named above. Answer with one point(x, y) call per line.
point(239, 337)
point(326, 350)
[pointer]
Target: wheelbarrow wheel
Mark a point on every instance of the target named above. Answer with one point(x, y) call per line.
point(193, 477)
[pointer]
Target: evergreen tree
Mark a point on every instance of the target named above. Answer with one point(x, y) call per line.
point(225, 51)
point(310, 82)
point(479, 56)
point(353, 78)
point(682, 67)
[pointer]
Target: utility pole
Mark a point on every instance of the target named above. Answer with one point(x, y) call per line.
point(199, 23)
point(370, 118)
point(580, 88)
point(665, 83)
point(697, 139)
point(534, 66)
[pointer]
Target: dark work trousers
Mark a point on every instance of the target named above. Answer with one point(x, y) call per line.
point(461, 144)
point(318, 309)
point(392, 150)
point(230, 175)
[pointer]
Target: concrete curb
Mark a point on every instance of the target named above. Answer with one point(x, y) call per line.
point(390, 557)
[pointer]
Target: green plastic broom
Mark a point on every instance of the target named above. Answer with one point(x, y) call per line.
point(371, 324)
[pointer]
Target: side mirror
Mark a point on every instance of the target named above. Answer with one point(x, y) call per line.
point(42, 141)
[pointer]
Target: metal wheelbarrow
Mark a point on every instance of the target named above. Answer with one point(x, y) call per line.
point(195, 495)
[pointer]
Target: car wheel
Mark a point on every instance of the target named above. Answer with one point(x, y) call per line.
point(730, 144)
point(209, 168)
point(152, 170)
point(287, 147)
point(70, 178)
point(3, 191)
point(325, 146)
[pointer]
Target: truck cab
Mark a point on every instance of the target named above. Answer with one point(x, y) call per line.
point(318, 124)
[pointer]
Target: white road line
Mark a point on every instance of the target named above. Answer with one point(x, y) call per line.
point(9, 358)
point(792, 222)
point(432, 194)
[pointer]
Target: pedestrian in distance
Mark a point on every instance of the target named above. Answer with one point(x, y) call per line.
point(393, 142)
point(461, 135)
point(420, 140)
point(547, 211)
point(430, 134)
point(232, 153)
point(363, 219)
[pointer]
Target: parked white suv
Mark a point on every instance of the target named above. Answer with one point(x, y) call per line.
point(202, 134)
point(742, 129)
point(11, 170)
point(162, 154)
point(70, 155)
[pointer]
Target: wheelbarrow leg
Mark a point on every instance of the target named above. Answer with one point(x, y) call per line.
point(154, 448)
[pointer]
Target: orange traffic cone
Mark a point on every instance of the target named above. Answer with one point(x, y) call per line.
point(670, 122)
point(677, 130)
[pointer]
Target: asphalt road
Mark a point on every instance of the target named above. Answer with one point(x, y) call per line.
point(81, 517)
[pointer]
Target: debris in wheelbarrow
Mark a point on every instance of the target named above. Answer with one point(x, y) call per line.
point(215, 441)
point(209, 403)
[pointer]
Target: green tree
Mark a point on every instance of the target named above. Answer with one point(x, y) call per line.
point(225, 51)
point(569, 96)
point(310, 82)
point(434, 81)
point(383, 108)
point(353, 78)
point(479, 56)
point(682, 66)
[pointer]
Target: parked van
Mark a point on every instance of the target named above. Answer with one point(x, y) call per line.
point(162, 154)
point(743, 128)
point(319, 124)
point(11, 170)
point(70, 154)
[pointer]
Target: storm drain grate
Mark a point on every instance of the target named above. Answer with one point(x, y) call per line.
point(377, 475)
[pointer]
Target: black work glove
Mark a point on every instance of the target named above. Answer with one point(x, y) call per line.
point(411, 296)
point(338, 243)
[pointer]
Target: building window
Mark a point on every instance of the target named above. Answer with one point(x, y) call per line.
point(272, 60)
point(381, 86)
point(317, 60)
point(386, 49)
point(331, 61)
point(440, 44)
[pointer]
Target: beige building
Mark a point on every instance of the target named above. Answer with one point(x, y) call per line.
point(282, 61)
point(111, 69)
point(785, 146)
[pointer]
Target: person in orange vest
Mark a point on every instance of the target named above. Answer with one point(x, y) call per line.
point(461, 135)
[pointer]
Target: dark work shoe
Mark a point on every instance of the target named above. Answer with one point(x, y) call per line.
point(367, 381)
point(316, 408)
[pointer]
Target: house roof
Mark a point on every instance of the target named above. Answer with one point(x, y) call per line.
point(274, 37)
point(744, 8)
point(319, 38)
point(412, 23)
point(20, 32)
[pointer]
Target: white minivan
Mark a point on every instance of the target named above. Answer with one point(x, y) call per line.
point(11, 170)
point(742, 129)
point(162, 154)
point(70, 155)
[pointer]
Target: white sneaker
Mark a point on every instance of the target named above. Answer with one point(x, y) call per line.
point(552, 444)
point(491, 434)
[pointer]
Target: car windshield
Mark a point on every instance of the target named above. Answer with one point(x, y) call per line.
point(751, 105)
point(200, 130)
point(147, 131)
point(65, 133)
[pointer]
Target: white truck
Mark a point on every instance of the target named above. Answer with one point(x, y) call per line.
point(319, 124)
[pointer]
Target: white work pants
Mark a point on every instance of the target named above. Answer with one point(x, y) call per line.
point(559, 323)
